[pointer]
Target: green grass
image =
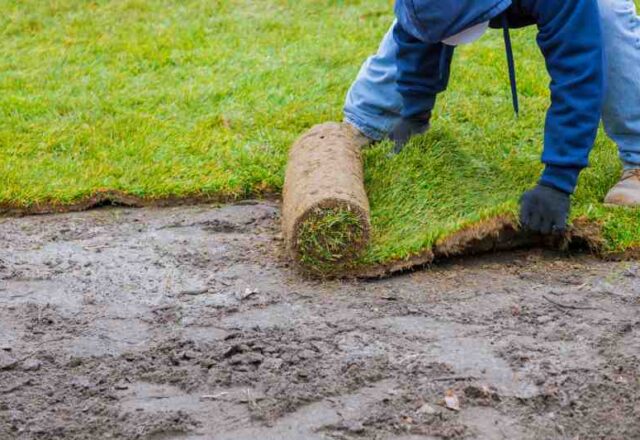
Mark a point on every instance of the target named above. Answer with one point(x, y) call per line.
point(160, 98)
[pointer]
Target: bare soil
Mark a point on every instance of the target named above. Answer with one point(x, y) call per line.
point(188, 323)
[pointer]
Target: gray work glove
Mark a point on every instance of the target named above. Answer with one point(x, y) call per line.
point(408, 128)
point(545, 210)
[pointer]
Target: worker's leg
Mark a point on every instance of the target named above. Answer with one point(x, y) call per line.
point(373, 103)
point(621, 112)
point(570, 37)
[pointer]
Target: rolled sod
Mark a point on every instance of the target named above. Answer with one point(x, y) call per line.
point(326, 218)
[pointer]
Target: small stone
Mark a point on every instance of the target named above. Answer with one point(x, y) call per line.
point(7, 362)
point(306, 354)
point(74, 362)
point(451, 401)
point(194, 291)
point(31, 365)
point(248, 293)
point(354, 426)
point(427, 409)
point(544, 319)
point(188, 355)
point(272, 363)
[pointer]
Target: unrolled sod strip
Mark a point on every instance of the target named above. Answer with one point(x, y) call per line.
point(326, 211)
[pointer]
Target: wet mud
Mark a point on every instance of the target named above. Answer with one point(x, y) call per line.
point(189, 323)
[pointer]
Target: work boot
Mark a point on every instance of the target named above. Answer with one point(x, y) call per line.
point(357, 136)
point(408, 128)
point(627, 191)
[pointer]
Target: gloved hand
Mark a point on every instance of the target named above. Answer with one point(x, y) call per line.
point(545, 210)
point(407, 128)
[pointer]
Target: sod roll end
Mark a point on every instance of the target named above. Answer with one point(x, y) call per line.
point(325, 210)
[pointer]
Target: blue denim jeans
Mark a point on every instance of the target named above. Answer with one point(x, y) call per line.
point(373, 104)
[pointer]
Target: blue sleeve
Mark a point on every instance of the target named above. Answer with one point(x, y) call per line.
point(423, 72)
point(571, 40)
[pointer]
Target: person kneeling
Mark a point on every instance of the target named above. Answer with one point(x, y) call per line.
point(396, 90)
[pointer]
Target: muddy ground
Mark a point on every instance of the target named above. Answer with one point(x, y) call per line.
point(187, 323)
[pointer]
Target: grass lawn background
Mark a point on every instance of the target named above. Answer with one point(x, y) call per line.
point(159, 98)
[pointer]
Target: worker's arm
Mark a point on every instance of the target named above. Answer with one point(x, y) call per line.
point(571, 41)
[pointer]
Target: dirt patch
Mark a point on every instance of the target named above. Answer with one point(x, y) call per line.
point(187, 323)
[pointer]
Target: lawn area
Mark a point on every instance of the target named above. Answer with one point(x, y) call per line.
point(160, 98)
point(168, 98)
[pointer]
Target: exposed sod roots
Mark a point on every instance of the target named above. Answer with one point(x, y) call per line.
point(492, 235)
point(332, 244)
point(330, 239)
point(102, 198)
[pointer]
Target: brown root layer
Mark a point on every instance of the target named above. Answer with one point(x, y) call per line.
point(104, 198)
point(498, 234)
